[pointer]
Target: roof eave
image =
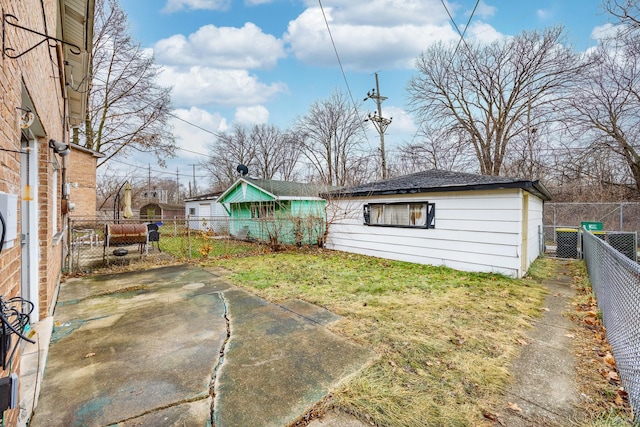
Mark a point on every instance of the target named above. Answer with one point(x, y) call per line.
point(534, 187)
point(77, 29)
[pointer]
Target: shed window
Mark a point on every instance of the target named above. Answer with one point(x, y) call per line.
point(263, 210)
point(192, 211)
point(415, 214)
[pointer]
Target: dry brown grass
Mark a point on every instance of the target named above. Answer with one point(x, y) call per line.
point(444, 339)
point(605, 401)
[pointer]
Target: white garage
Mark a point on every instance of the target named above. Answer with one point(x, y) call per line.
point(464, 221)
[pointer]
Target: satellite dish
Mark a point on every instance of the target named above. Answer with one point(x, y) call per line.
point(242, 170)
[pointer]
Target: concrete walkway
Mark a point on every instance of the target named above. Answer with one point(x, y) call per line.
point(544, 390)
point(177, 346)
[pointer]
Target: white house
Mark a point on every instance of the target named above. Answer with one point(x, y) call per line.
point(206, 214)
point(464, 221)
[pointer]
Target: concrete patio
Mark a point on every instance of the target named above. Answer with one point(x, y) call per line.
point(178, 346)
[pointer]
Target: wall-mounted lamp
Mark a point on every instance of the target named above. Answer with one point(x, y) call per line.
point(60, 148)
point(26, 117)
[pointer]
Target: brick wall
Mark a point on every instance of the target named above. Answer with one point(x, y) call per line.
point(82, 166)
point(36, 75)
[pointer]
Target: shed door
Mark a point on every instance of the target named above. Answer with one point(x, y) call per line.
point(205, 215)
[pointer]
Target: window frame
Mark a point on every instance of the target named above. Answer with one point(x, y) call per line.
point(263, 210)
point(429, 208)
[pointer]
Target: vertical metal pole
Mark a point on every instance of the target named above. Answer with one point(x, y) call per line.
point(380, 123)
point(621, 216)
point(189, 237)
point(554, 224)
point(382, 150)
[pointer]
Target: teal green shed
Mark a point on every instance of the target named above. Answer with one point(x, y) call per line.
point(276, 212)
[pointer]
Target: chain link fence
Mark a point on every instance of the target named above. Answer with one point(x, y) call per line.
point(99, 243)
point(615, 280)
point(619, 216)
point(569, 242)
point(562, 226)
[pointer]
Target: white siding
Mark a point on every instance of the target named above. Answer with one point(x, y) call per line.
point(474, 231)
point(208, 214)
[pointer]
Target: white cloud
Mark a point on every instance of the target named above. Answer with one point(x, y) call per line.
point(604, 32)
point(211, 86)
point(543, 14)
point(402, 123)
point(362, 47)
point(483, 10)
point(256, 114)
point(193, 140)
point(221, 47)
point(374, 35)
point(383, 13)
point(483, 32)
point(178, 5)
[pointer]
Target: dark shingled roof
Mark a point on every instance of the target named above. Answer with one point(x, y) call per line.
point(437, 181)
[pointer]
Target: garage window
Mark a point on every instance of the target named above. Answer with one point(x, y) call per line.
point(409, 215)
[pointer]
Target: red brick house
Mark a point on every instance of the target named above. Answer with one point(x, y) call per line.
point(43, 69)
point(81, 175)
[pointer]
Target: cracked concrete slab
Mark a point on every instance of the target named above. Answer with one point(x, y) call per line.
point(119, 356)
point(154, 347)
point(278, 362)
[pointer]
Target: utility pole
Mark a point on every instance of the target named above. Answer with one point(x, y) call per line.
point(380, 123)
point(194, 181)
point(177, 198)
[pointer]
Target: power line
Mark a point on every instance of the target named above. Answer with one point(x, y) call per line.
point(161, 172)
point(195, 125)
point(344, 76)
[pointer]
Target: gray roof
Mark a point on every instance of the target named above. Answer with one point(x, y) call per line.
point(437, 181)
point(201, 197)
point(286, 188)
point(164, 206)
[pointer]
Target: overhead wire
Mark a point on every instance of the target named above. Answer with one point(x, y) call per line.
point(344, 76)
point(217, 135)
point(455, 51)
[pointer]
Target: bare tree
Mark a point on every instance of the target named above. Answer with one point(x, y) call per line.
point(434, 152)
point(112, 182)
point(627, 12)
point(292, 152)
point(277, 153)
point(128, 110)
point(331, 135)
point(493, 94)
point(229, 150)
point(605, 108)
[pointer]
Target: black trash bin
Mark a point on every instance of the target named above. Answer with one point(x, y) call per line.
point(567, 242)
point(625, 243)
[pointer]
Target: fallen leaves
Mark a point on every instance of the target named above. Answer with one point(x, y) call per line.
point(514, 407)
point(609, 360)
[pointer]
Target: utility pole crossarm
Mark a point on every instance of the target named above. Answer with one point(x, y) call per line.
point(379, 122)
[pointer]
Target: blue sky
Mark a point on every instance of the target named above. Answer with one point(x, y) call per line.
point(267, 61)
